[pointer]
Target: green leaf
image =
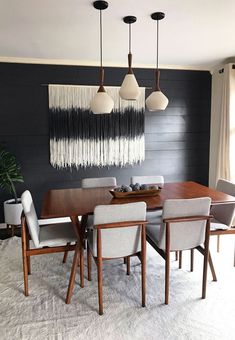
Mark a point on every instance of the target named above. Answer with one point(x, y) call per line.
point(10, 172)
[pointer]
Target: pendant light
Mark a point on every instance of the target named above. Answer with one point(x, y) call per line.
point(102, 102)
point(157, 100)
point(130, 88)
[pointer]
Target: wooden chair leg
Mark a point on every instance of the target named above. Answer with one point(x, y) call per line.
point(204, 280)
point(100, 285)
point(66, 254)
point(12, 230)
point(89, 262)
point(73, 274)
point(99, 271)
point(167, 277)
point(128, 265)
point(180, 259)
point(206, 259)
point(218, 243)
point(143, 265)
point(176, 255)
point(167, 264)
point(124, 260)
point(25, 261)
point(28, 257)
point(82, 267)
point(191, 260)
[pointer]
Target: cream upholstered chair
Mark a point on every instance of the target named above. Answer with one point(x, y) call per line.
point(148, 179)
point(152, 216)
point(88, 183)
point(222, 223)
point(98, 182)
point(50, 238)
point(118, 231)
point(223, 213)
point(185, 225)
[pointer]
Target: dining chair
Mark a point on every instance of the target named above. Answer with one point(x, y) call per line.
point(99, 182)
point(89, 183)
point(158, 179)
point(46, 238)
point(118, 231)
point(222, 223)
point(152, 216)
point(185, 225)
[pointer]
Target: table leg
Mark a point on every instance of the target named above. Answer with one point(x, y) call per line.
point(78, 257)
point(73, 273)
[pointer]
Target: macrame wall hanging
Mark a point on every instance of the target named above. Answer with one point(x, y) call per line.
point(79, 138)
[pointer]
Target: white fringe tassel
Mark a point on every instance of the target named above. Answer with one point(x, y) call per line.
point(86, 152)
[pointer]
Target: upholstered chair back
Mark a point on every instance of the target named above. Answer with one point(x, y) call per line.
point(185, 235)
point(123, 241)
point(224, 213)
point(31, 217)
point(147, 179)
point(99, 182)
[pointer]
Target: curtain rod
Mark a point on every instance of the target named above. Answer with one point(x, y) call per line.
point(146, 87)
point(222, 69)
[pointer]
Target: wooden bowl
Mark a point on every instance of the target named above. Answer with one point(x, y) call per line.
point(139, 193)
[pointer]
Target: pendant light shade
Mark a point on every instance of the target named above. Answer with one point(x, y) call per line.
point(102, 103)
point(130, 88)
point(157, 101)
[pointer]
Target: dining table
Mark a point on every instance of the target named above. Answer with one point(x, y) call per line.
point(77, 202)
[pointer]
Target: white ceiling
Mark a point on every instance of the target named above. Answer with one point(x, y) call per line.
point(196, 34)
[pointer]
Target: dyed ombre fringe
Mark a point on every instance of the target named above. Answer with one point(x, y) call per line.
point(79, 138)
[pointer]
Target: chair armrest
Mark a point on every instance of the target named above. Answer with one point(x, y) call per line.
point(54, 220)
point(119, 224)
point(187, 219)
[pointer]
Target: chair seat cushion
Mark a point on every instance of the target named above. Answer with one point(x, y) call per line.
point(153, 232)
point(216, 225)
point(154, 217)
point(56, 234)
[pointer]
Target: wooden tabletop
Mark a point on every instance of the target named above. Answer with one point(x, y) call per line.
point(75, 202)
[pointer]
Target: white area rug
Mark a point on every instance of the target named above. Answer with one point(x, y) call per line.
point(44, 314)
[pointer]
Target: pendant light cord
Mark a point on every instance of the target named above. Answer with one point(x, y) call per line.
point(101, 41)
point(130, 38)
point(157, 42)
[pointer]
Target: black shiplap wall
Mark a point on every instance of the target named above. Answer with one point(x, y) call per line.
point(177, 139)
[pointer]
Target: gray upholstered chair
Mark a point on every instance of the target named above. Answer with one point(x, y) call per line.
point(222, 223)
point(185, 225)
point(152, 216)
point(118, 231)
point(50, 238)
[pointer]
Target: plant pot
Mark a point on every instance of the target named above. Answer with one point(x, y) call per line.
point(12, 212)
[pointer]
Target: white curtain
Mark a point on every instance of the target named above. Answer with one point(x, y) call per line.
point(232, 125)
point(222, 138)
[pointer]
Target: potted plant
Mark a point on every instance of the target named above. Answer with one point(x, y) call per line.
point(9, 175)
